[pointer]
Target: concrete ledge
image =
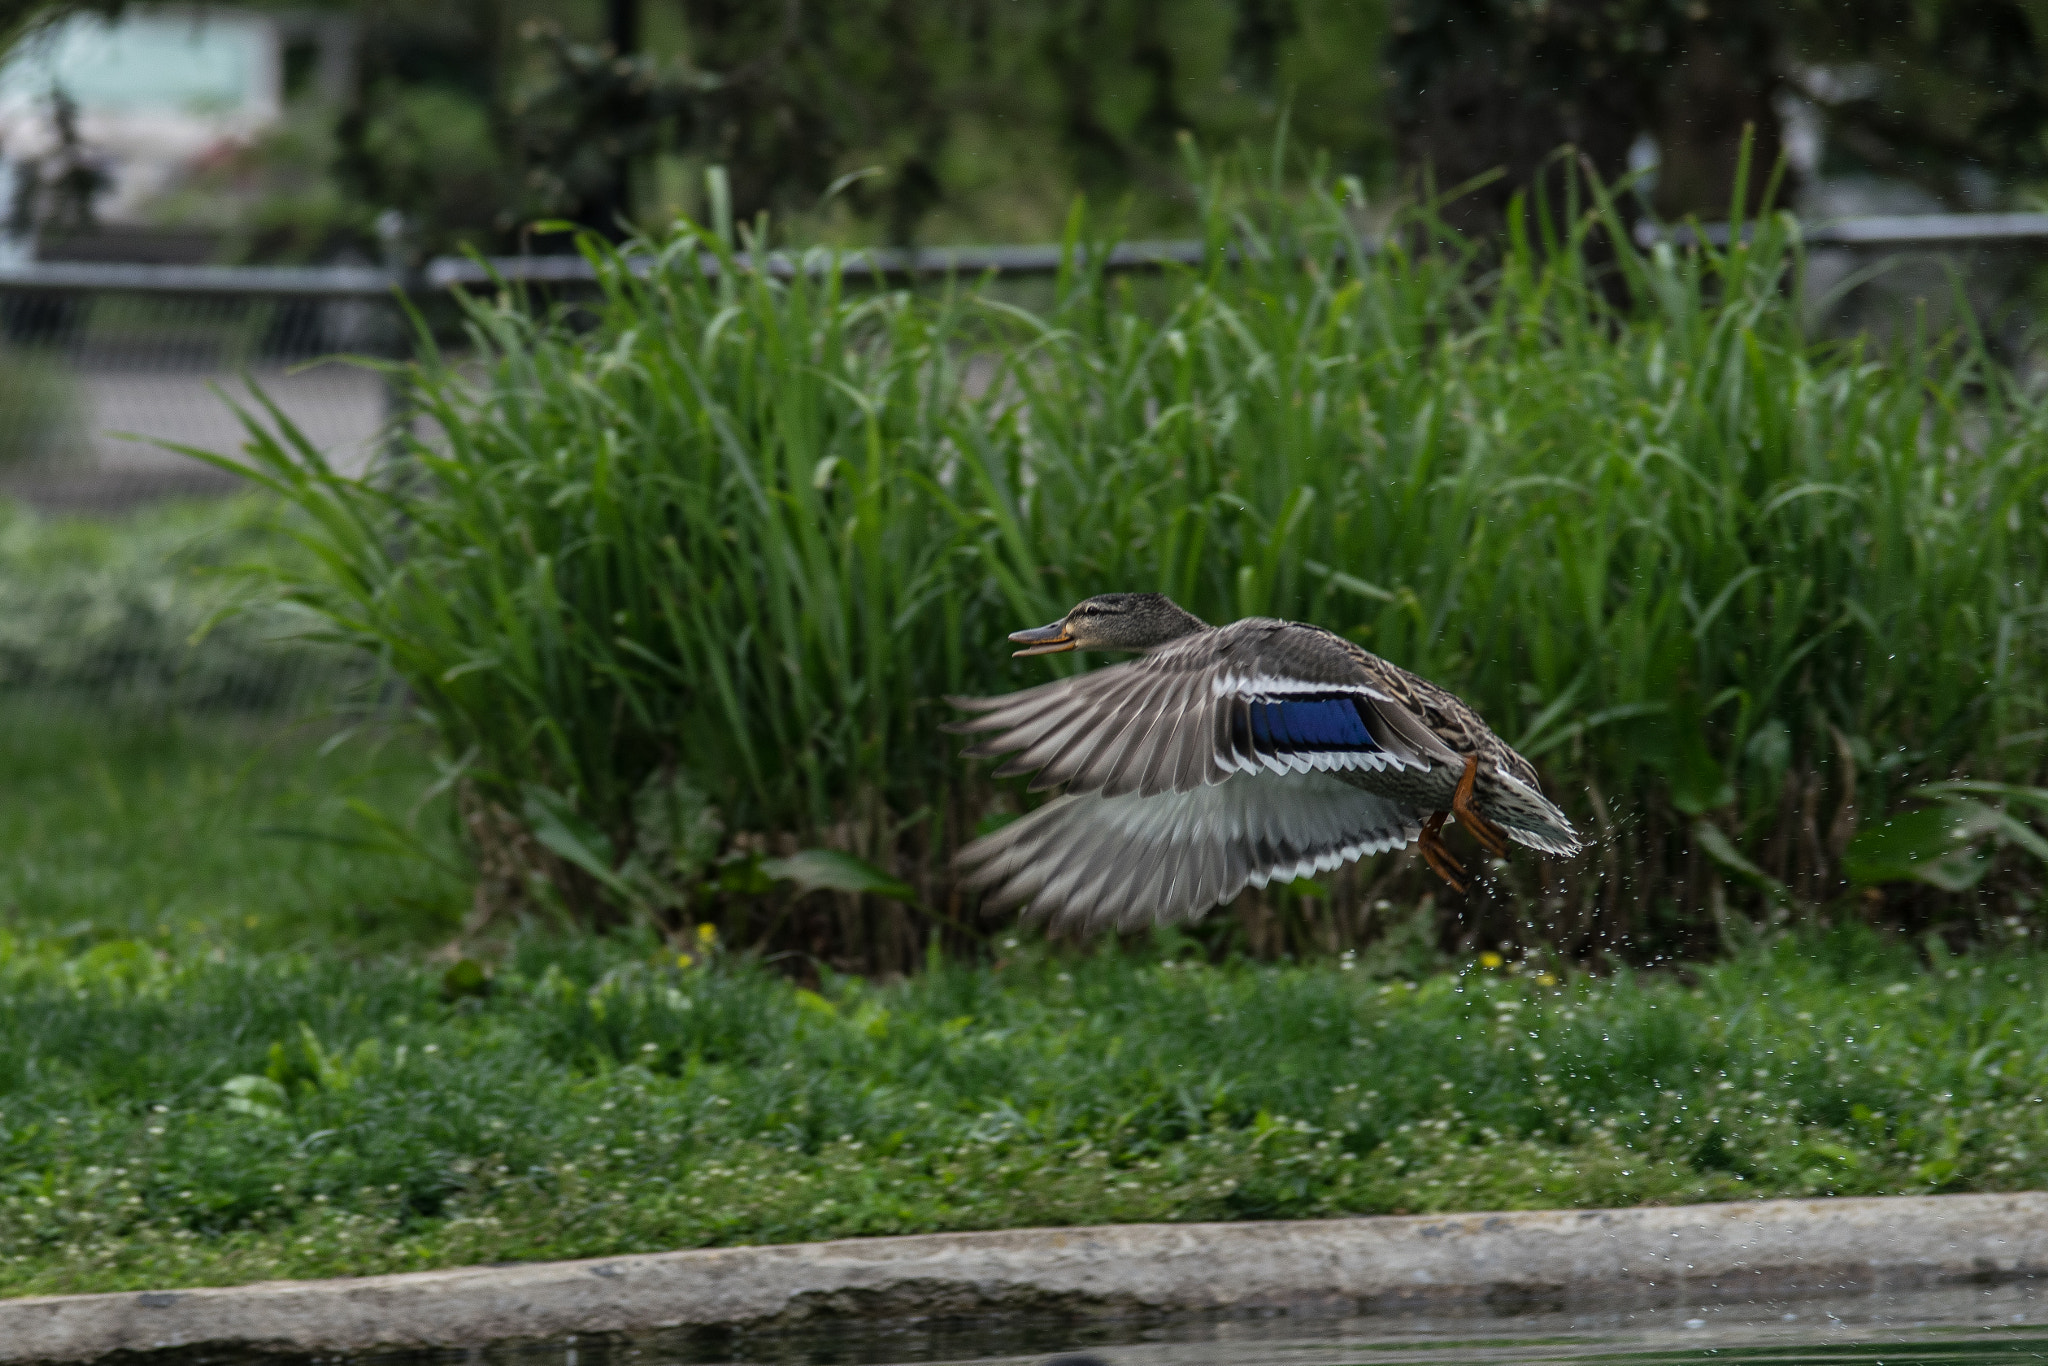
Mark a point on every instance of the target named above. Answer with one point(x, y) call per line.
point(1511, 1262)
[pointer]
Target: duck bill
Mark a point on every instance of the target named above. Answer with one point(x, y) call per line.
point(1042, 640)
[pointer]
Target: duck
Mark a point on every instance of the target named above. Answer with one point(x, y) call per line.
point(1230, 756)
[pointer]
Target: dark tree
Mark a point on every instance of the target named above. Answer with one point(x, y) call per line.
point(1501, 84)
point(1935, 93)
point(1928, 89)
point(583, 127)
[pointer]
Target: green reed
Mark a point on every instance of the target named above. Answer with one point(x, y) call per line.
point(1737, 590)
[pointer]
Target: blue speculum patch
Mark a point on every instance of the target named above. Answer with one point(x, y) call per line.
point(1307, 725)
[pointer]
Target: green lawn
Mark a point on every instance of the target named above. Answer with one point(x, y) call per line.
point(223, 828)
point(226, 1055)
point(194, 1117)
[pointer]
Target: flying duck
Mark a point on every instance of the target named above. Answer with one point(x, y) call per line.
point(1251, 753)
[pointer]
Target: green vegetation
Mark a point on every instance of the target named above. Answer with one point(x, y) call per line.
point(224, 828)
point(677, 578)
point(726, 538)
point(174, 1116)
point(157, 611)
point(177, 761)
point(224, 1055)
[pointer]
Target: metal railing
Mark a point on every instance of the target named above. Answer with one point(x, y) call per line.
point(448, 272)
point(1881, 230)
point(90, 350)
point(877, 264)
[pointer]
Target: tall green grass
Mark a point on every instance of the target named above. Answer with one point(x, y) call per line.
point(725, 537)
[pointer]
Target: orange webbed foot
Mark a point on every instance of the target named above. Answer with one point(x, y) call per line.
point(1438, 855)
point(1490, 836)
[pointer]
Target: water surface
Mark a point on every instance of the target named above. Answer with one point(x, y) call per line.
point(1962, 1326)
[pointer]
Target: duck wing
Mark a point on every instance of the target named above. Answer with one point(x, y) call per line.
point(1257, 696)
point(1089, 860)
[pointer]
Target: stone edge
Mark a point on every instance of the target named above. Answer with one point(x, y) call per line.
point(1510, 1261)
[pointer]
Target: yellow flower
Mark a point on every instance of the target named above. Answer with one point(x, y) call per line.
point(1544, 979)
point(707, 934)
point(684, 960)
point(1489, 960)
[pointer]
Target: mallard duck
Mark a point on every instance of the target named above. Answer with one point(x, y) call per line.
point(1251, 753)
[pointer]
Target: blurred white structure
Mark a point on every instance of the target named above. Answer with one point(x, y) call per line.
point(157, 91)
point(14, 251)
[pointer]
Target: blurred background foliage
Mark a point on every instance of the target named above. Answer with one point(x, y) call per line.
point(961, 120)
point(159, 613)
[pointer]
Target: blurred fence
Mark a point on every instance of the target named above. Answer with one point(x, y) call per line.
point(1870, 275)
point(98, 362)
point(101, 362)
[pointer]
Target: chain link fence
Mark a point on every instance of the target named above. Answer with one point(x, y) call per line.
point(104, 366)
point(105, 369)
point(1872, 275)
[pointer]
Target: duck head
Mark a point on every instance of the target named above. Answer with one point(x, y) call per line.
point(1112, 621)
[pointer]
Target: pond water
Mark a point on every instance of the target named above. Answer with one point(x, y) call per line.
point(1961, 1326)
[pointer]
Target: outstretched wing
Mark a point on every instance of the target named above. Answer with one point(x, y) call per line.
point(1258, 696)
point(1090, 860)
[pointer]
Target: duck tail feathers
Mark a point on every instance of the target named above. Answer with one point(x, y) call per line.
point(1530, 818)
